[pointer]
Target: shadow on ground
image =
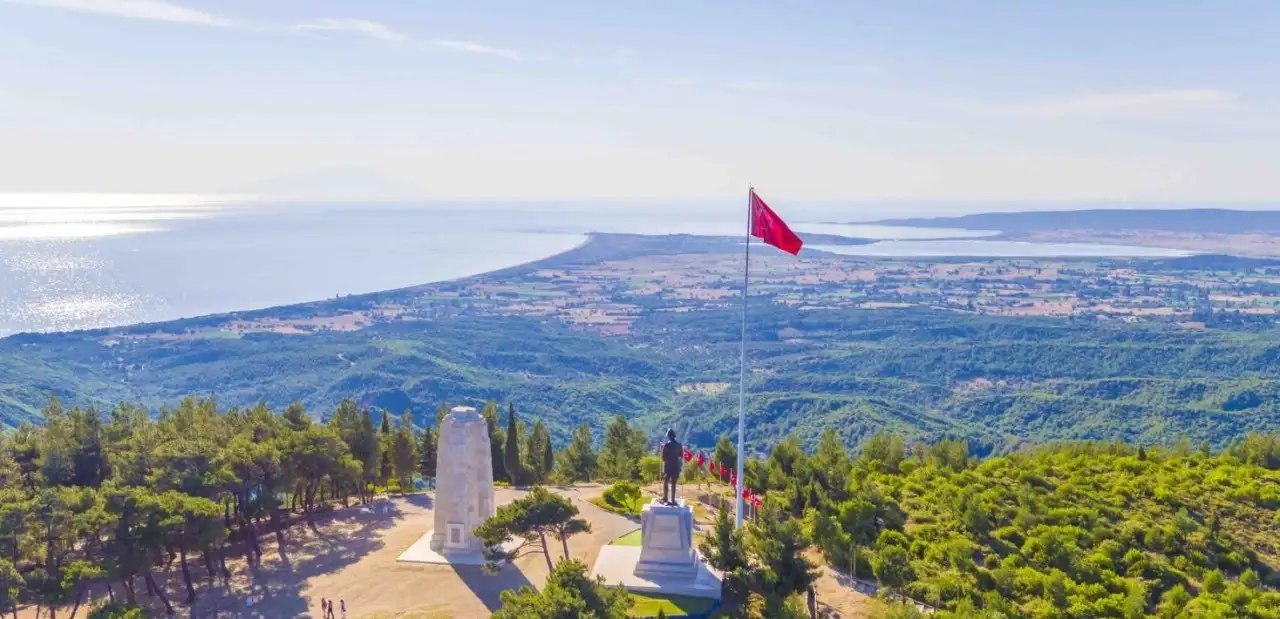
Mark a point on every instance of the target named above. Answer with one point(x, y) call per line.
point(425, 501)
point(274, 589)
point(489, 588)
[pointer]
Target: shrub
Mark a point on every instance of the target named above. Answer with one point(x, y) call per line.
point(623, 494)
point(117, 611)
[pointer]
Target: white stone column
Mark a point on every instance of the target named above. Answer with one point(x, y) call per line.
point(464, 490)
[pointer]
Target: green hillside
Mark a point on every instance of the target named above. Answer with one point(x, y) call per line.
point(925, 374)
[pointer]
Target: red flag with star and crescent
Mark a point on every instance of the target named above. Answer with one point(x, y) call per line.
point(768, 227)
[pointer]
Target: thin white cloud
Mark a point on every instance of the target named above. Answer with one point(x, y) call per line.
point(152, 10)
point(385, 33)
point(373, 29)
point(1131, 105)
point(159, 10)
point(472, 47)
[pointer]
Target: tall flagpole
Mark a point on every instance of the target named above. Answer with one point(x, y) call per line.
point(742, 378)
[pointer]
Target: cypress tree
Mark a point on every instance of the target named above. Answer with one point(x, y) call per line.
point(511, 455)
point(548, 458)
point(385, 441)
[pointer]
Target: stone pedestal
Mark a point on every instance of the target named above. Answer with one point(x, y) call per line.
point(464, 491)
point(665, 562)
point(666, 540)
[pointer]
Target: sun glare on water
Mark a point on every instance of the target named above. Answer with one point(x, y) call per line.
point(57, 216)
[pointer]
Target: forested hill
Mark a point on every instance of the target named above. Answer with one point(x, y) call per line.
point(926, 374)
point(649, 327)
point(1201, 220)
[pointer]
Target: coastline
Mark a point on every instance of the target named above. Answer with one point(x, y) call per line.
point(591, 248)
point(314, 304)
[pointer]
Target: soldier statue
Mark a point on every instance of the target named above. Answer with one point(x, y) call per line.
point(672, 461)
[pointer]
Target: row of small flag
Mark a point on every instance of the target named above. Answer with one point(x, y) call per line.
point(708, 465)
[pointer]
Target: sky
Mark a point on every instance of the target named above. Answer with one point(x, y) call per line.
point(1091, 100)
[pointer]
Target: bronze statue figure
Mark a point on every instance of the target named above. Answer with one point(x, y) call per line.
point(672, 461)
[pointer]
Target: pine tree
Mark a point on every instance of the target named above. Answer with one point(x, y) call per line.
point(296, 417)
point(568, 592)
point(532, 519)
point(725, 550)
point(441, 411)
point(427, 454)
point(778, 544)
point(496, 440)
point(623, 448)
point(578, 460)
point(367, 452)
point(539, 445)
point(511, 454)
point(726, 456)
point(404, 453)
point(832, 466)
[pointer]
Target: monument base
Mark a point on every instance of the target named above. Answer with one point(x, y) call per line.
point(421, 552)
point(617, 564)
point(665, 562)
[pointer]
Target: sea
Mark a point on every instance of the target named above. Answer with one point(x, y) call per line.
point(81, 261)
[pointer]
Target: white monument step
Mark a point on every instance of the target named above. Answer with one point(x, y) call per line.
point(665, 562)
point(421, 552)
point(617, 564)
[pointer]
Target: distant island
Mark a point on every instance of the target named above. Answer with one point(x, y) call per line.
point(1210, 230)
point(1198, 220)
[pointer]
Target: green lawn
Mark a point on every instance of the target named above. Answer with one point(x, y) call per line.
point(630, 539)
point(647, 605)
point(632, 509)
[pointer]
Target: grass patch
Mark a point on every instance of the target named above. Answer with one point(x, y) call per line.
point(647, 605)
point(622, 497)
point(630, 539)
point(623, 511)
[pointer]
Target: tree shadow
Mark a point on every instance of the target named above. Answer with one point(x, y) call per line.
point(424, 501)
point(275, 589)
point(488, 588)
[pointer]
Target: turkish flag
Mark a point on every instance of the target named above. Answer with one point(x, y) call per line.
point(702, 459)
point(715, 470)
point(688, 455)
point(766, 225)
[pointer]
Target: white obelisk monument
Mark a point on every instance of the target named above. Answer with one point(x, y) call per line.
point(464, 491)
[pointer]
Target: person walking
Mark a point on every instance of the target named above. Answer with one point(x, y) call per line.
point(324, 609)
point(342, 604)
point(330, 615)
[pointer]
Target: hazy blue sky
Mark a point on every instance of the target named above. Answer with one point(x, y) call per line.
point(946, 99)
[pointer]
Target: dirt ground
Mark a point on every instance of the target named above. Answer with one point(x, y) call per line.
point(353, 559)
